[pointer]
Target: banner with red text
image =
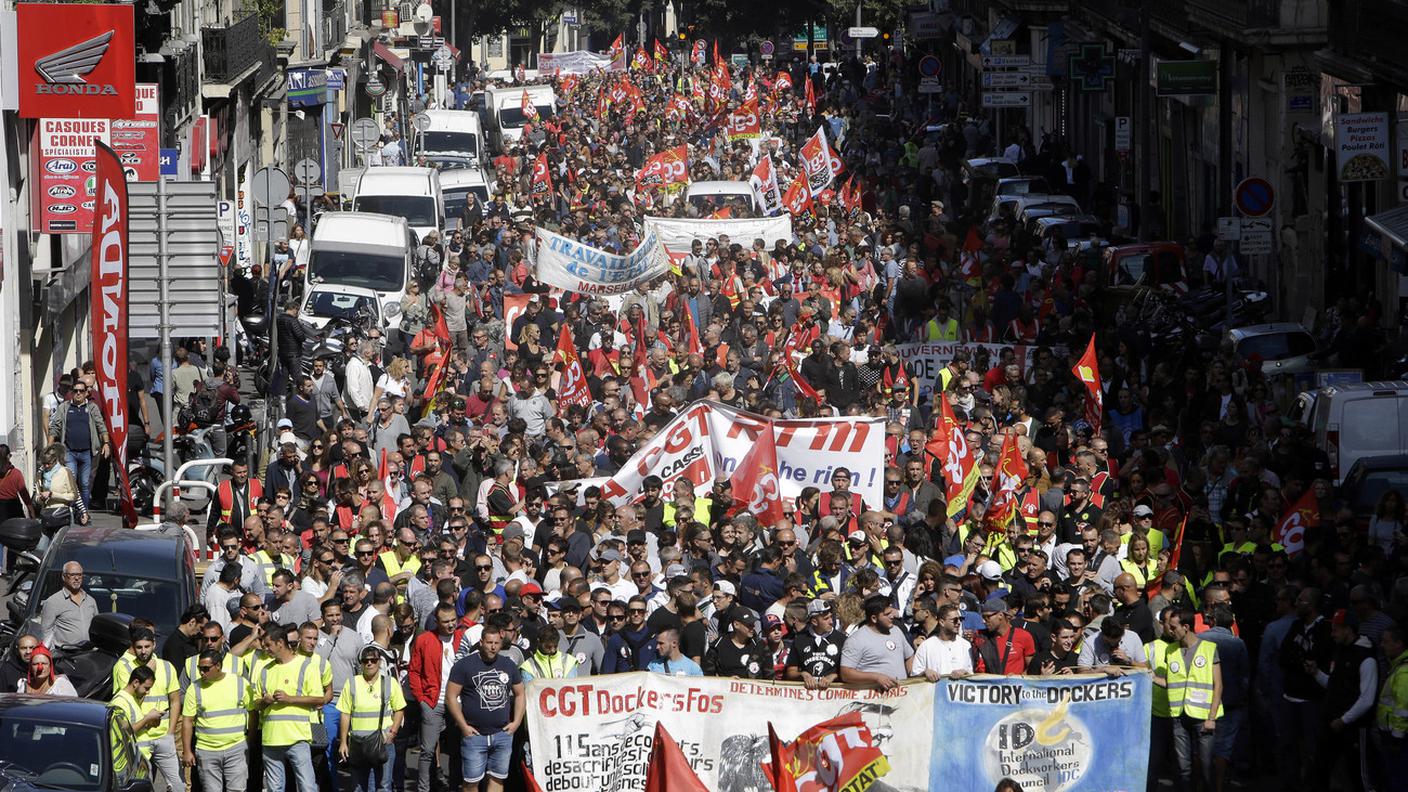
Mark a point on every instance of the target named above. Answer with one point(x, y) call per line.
point(595, 733)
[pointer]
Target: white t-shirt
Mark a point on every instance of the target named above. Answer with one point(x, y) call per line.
point(942, 657)
point(447, 658)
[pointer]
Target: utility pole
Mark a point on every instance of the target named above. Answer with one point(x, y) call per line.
point(1147, 119)
point(168, 456)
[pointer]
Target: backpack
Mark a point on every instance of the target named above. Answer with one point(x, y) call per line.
point(204, 406)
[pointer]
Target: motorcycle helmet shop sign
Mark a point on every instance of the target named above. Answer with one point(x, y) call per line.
point(76, 61)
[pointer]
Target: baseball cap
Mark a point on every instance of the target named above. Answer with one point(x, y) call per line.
point(858, 536)
point(746, 618)
point(817, 607)
point(675, 570)
point(636, 536)
point(607, 556)
point(1143, 511)
point(530, 588)
point(1345, 618)
point(725, 587)
point(994, 605)
point(285, 423)
point(772, 622)
point(989, 570)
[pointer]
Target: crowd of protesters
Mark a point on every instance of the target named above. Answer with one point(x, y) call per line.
point(412, 525)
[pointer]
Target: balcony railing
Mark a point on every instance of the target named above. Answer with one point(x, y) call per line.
point(334, 27)
point(230, 51)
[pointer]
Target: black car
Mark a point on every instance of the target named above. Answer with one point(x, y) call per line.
point(72, 744)
point(1368, 480)
point(129, 573)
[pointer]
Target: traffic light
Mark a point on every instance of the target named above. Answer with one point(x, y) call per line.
point(885, 36)
point(681, 35)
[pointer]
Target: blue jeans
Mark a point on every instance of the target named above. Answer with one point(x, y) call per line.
point(331, 719)
point(486, 753)
point(300, 760)
point(80, 464)
point(379, 778)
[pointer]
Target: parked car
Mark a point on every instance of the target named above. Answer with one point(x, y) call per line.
point(73, 744)
point(148, 573)
point(1282, 347)
point(1369, 478)
point(1355, 420)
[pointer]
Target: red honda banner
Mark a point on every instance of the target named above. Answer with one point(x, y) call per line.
point(572, 386)
point(1087, 370)
point(108, 312)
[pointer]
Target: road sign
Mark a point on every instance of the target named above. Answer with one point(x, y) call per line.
point(1124, 133)
point(930, 66)
point(1254, 197)
point(375, 87)
point(1256, 236)
point(307, 171)
point(863, 32)
point(442, 57)
point(169, 161)
point(930, 85)
point(767, 48)
point(1229, 229)
point(271, 186)
point(1007, 79)
point(421, 122)
point(1007, 99)
point(1006, 61)
point(365, 133)
point(337, 128)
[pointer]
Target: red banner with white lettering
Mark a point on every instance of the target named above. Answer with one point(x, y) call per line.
point(108, 288)
point(1007, 480)
point(744, 123)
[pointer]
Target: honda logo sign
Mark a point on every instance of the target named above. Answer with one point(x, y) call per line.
point(76, 61)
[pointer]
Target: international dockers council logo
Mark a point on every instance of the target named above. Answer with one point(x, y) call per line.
point(63, 71)
point(1047, 749)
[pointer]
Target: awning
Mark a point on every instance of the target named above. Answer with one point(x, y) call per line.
point(1393, 224)
point(392, 59)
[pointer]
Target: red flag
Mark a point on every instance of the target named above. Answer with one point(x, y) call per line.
point(640, 60)
point(959, 462)
point(811, 97)
point(529, 110)
point(108, 277)
point(530, 781)
point(442, 330)
point(717, 59)
point(1087, 370)
point(755, 480)
point(695, 346)
point(838, 754)
point(764, 182)
point(696, 53)
point(816, 159)
point(618, 52)
point(668, 770)
point(662, 55)
point(515, 305)
point(783, 81)
point(668, 169)
point(798, 199)
point(568, 84)
point(1007, 479)
point(572, 386)
point(970, 266)
point(744, 123)
point(1290, 532)
point(542, 176)
point(779, 760)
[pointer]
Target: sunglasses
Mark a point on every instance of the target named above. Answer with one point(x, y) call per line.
point(616, 617)
point(365, 553)
point(479, 568)
point(205, 669)
point(371, 660)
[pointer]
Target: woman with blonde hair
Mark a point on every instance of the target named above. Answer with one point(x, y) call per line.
point(395, 381)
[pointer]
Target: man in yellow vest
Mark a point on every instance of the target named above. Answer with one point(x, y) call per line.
point(941, 327)
point(289, 690)
point(128, 701)
point(371, 700)
point(212, 636)
point(1392, 714)
point(214, 723)
point(157, 741)
point(270, 558)
point(1161, 730)
point(1194, 685)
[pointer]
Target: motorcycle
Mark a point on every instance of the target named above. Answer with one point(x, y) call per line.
point(147, 471)
point(332, 344)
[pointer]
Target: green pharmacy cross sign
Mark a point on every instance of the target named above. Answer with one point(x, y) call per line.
point(1092, 68)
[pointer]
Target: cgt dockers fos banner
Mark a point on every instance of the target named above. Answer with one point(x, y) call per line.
point(1051, 734)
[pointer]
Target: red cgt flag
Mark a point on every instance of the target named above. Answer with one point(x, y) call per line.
point(798, 198)
point(668, 770)
point(811, 97)
point(572, 386)
point(970, 264)
point(755, 480)
point(1087, 370)
point(542, 177)
point(1007, 479)
point(1290, 532)
point(959, 462)
point(838, 754)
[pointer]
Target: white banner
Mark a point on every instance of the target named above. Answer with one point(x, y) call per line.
point(707, 440)
point(594, 733)
point(578, 62)
point(571, 265)
point(676, 235)
point(926, 358)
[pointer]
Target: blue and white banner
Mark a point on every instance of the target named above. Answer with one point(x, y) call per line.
point(1049, 734)
point(571, 265)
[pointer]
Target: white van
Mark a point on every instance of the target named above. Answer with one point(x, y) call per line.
point(456, 185)
point(412, 193)
point(1357, 419)
point(455, 139)
point(506, 110)
point(362, 250)
point(708, 197)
